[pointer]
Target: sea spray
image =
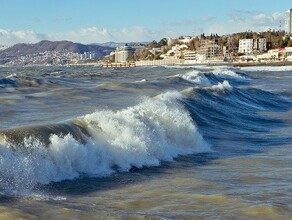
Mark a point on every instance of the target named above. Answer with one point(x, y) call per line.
point(196, 77)
point(158, 129)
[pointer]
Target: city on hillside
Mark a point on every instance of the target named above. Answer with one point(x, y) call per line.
point(246, 47)
point(269, 46)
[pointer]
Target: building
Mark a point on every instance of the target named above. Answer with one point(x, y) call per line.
point(124, 53)
point(288, 51)
point(210, 48)
point(247, 46)
point(176, 52)
point(260, 44)
point(88, 56)
point(288, 22)
point(190, 55)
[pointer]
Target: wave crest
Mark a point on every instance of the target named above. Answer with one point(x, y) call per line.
point(158, 129)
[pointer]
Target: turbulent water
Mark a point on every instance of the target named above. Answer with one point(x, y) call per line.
point(179, 142)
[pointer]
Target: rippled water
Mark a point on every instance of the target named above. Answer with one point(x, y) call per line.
point(192, 142)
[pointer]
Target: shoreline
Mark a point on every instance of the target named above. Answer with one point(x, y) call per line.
point(234, 64)
point(280, 63)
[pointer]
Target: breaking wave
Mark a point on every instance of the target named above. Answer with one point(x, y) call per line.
point(99, 144)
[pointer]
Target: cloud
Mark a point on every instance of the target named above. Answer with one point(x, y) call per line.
point(83, 35)
point(9, 37)
point(247, 20)
point(99, 35)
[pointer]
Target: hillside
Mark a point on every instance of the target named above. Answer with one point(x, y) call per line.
point(45, 45)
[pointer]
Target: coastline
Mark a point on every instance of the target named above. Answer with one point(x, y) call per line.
point(280, 63)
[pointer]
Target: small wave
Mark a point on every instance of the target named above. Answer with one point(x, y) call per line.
point(8, 82)
point(14, 81)
point(11, 76)
point(222, 86)
point(227, 71)
point(141, 81)
point(196, 77)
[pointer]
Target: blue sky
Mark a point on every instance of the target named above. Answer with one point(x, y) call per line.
point(97, 21)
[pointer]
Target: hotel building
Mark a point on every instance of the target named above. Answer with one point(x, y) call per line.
point(122, 54)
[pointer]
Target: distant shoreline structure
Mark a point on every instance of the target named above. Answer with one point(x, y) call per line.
point(210, 63)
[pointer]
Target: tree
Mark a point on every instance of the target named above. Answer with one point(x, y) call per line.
point(162, 42)
point(224, 40)
point(194, 44)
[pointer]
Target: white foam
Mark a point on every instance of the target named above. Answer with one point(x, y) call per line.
point(227, 71)
point(141, 81)
point(158, 129)
point(11, 76)
point(222, 86)
point(196, 77)
point(267, 68)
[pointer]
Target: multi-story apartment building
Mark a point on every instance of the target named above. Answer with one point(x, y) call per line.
point(260, 44)
point(247, 46)
point(288, 22)
point(211, 48)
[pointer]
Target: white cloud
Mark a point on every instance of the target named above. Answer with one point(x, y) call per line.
point(9, 37)
point(83, 35)
point(247, 21)
point(100, 35)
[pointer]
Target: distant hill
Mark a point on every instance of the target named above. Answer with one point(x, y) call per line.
point(115, 44)
point(45, 45)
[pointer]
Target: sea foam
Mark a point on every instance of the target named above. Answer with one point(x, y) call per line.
point(196, 77)
point(158, 129)
point(267, 68)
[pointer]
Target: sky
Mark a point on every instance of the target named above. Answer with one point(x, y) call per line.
point(99, 21)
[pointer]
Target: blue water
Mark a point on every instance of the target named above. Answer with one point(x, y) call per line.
point(157, 142)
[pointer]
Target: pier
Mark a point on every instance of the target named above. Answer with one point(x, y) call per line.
point(132, 64)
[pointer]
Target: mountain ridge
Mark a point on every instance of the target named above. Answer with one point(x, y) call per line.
point(23, 49)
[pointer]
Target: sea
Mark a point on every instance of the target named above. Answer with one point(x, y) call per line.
point(164, 142)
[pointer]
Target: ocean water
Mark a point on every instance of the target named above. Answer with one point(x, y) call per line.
point(179, 142)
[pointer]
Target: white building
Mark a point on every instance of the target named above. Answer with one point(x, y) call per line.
point(247, 46)
point(88, 56)
point(270, 55)
point(123, 53)
point(176, 52)
point(260, 44)
point(190, 55)
point(288, 51)
point(288, 22)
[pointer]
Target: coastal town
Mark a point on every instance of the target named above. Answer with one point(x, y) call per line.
point(269, 46)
